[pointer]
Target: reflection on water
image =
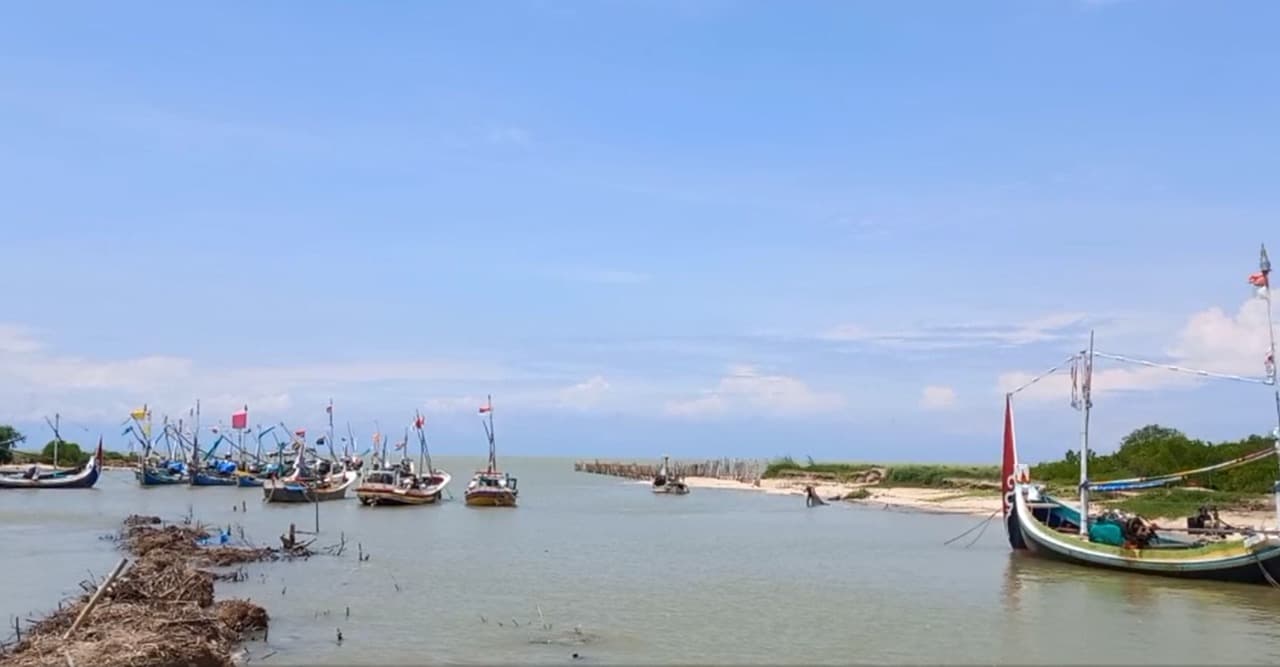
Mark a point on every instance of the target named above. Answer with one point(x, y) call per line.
point(604, 568)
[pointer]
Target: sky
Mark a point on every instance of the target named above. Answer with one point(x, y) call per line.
point(689, 227)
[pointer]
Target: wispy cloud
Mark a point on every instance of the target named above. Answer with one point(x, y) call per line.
point(603, 276)
point(746, 389)
point(937, 397)
point(1210, 340)
point(1047, 328)
point(508, 135)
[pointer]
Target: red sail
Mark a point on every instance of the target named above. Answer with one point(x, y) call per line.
point(1010, 457)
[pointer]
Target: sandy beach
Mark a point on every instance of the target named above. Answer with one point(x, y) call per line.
point(937, 501)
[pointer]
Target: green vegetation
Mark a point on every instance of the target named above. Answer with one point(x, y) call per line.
point(1158, 450)
point(1183, 502)
point(9, 436)
point(940, 475)
point(69, 453)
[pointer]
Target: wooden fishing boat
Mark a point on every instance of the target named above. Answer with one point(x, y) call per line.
point(246, 480)
point(301, 490)
point(667, 482)
point(404, 484)
point(163, 475)
point(82, 477)
point(491, 487)
point(1039, 524)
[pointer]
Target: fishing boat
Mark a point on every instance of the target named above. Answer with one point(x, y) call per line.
point(310, 483)
point(1046, 526)
point(491, 487)
point(405, 484)
point(81, 477)
point(666, 482)
point(153, 470)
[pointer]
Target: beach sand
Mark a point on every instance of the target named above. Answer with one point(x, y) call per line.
point(936, 501)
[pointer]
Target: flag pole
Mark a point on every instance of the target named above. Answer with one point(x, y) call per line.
point(1086, 402)
point(1264, 267)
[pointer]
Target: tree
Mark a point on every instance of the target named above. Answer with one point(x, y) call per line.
point(9, 437)
point(69, 453)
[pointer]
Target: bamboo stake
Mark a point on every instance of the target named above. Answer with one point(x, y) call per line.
point(97, 595)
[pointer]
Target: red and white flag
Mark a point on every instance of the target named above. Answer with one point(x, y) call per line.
point(240, 419)
point(486, 408)
point(419, 421)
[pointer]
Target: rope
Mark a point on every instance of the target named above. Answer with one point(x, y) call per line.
point(980, 525)
point(1181, 369)
point(1043, 375)
point(1267, 575)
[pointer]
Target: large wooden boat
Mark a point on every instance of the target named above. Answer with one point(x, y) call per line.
point(491, 487)
point(82, 477)
point(405, 484)
point(667, 482)
point(1042, 525)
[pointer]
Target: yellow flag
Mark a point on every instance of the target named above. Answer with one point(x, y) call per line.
point(139, 414)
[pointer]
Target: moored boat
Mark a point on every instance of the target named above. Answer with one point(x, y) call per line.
point(404, 484)
point(82, 477)
point(333, 487)
point(1045, 526)
point(491, 487)
point(667, 482)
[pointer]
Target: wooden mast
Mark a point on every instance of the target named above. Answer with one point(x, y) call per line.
point(1086, 402)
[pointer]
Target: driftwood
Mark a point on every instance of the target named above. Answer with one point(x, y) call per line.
point(93, 601)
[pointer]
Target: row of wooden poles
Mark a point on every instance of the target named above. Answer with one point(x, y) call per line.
point(741, 470)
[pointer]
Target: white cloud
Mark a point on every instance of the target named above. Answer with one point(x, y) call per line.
point(15, 339)
point(507, 135)
point(937, 397)
point(745, 389)
point(1211, 340)
point(585, 394)
point(1047, 328)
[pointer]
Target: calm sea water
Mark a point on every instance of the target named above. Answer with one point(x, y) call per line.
point(624, 576)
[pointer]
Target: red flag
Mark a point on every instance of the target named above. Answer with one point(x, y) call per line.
point(240, 420)
point(485, 408)
point(1010, 461)
point(301, 433)
point(329, 408)
point(417, 423)
point(1258, 279)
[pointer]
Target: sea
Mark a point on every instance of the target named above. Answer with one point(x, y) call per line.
point(600, 568)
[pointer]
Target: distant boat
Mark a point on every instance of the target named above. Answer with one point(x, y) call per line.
point(404, 484)
point(666, 482)
point(491, 487)
point(83, 477)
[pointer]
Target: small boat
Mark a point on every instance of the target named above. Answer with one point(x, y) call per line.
point(404, 484)
point(168, 472)
point(82, 477)
point(1042, 525)
point(491, 487)
point(246, 480)
point(666, 482)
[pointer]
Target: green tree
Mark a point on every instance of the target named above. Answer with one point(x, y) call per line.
point(69, 453)
point(9, 437)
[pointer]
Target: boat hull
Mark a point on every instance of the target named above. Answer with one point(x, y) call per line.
point(490, 498)
point(386, 495)
point(670, 489)
point(83, 479)
point(288, 491)
point(1232, 561)
point(205, 479)
point(248, 482)
point(153, 477)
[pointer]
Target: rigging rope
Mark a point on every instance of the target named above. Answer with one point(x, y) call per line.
point(1044, 375)
point(1181, 369)
point(1160, 480)
point(980, 525)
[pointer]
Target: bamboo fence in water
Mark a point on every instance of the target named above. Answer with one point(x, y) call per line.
point(740, 470)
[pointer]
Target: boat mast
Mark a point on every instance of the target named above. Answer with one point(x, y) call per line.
point(332, 455)
point(1264, 267)
point(1086, 402)
point(493, 454)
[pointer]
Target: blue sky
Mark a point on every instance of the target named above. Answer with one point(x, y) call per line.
point(698, 227)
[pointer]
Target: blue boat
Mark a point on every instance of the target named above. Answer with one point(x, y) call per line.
point(248, 481)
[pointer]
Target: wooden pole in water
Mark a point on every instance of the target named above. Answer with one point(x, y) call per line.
point(97, 595)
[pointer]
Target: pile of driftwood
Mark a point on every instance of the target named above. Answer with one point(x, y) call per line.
point(156, 610)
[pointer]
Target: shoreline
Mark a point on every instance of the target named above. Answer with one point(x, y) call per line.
point(916, 499)
point(964, 502)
